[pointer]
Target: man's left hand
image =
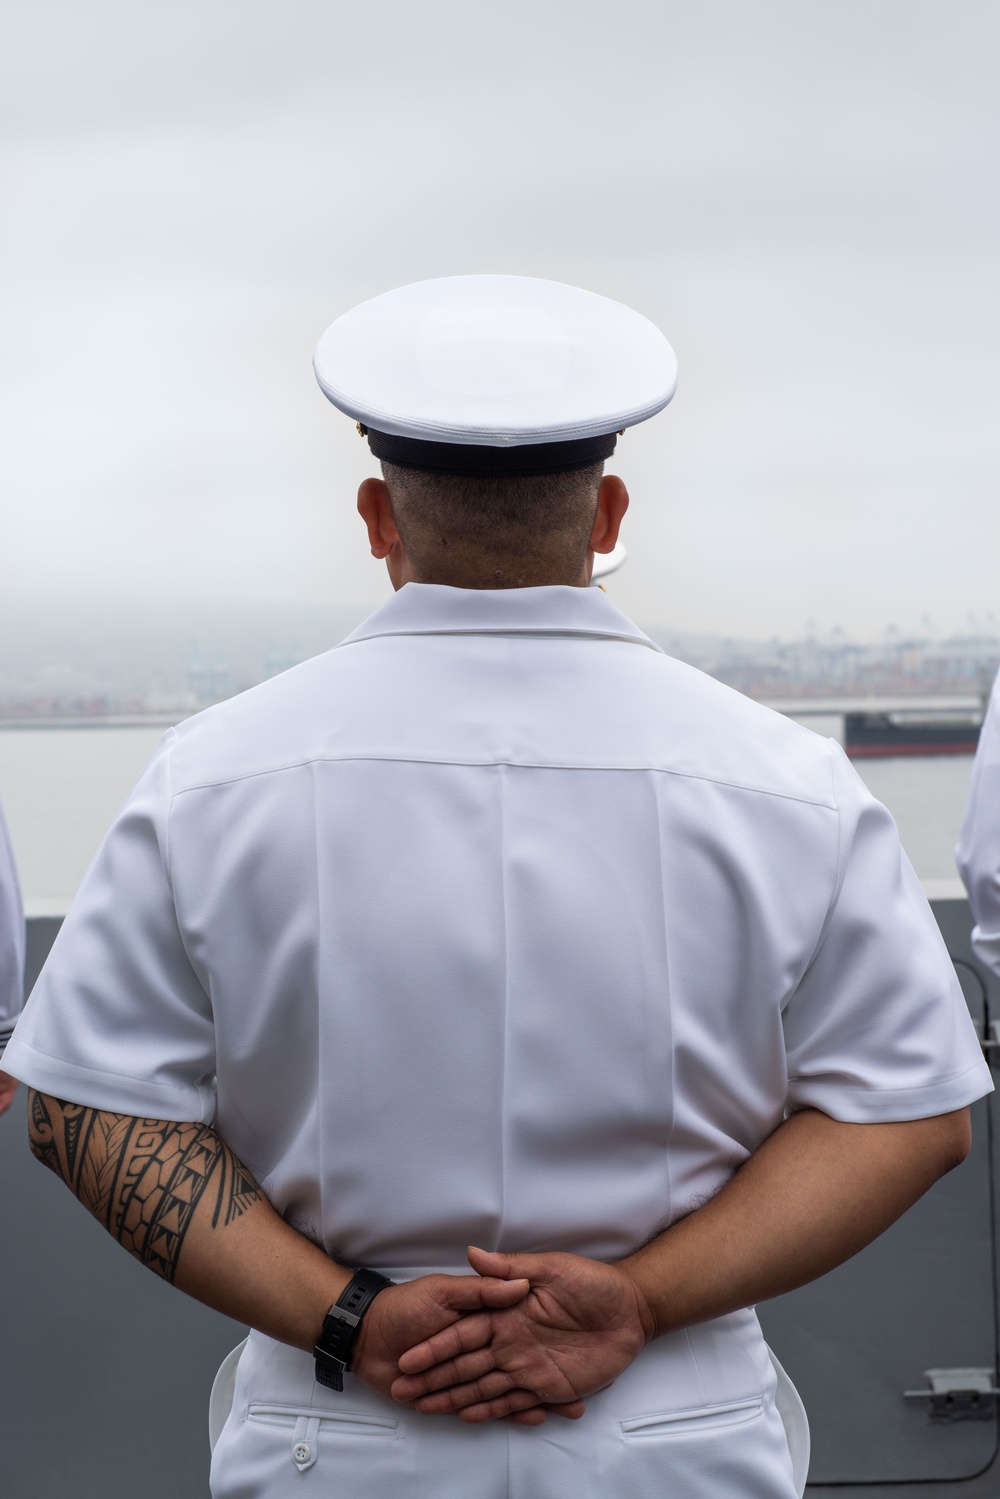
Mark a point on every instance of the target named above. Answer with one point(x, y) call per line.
point(580, 1325)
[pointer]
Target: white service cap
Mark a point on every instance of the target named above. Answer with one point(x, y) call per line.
point(494, 374)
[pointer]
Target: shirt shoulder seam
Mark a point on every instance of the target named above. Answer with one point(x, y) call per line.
point(757, 790)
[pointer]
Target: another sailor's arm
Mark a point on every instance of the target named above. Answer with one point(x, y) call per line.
point(12, 939)
point(978, 851)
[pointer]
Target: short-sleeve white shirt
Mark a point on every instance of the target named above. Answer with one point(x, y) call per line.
point(496, 925)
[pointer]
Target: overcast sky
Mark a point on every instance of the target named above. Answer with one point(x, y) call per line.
point(804, 198)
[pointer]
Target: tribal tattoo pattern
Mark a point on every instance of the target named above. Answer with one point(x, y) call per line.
point(143, 1179)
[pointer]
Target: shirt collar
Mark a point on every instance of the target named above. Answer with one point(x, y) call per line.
point(434, 609)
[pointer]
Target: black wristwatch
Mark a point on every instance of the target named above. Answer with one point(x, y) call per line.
point(340, 1329)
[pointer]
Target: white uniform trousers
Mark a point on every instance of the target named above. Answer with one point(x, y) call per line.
point(701, 1414)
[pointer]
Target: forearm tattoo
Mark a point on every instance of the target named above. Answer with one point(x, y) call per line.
point(143, 1179)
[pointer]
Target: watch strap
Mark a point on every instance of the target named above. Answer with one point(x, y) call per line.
point(340, 1327)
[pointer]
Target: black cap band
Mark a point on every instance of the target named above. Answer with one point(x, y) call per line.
point(462, 458)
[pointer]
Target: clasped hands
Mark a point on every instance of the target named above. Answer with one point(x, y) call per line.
point(527, 1335)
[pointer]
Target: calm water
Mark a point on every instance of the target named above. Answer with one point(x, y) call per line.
point(61, 787)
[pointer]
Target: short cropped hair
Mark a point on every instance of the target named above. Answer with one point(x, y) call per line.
point(489, 531)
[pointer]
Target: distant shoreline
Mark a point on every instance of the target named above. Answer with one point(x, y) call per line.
point(99, 721)
point(796, 706)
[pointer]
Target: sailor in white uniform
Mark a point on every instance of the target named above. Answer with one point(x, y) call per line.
point(11, 957)
point(495, 926)
point(978, 851)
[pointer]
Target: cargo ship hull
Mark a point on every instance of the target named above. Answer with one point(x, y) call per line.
point(877, 735)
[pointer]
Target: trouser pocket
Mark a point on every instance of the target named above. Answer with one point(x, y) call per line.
point(692, 1420)
point(307, 1427)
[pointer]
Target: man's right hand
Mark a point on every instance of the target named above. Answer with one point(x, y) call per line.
point(403, 1316)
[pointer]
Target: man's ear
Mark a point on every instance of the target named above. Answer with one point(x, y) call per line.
point(375, 510)
point(612, 503)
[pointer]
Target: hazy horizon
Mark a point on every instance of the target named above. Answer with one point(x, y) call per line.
point(157, 653)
